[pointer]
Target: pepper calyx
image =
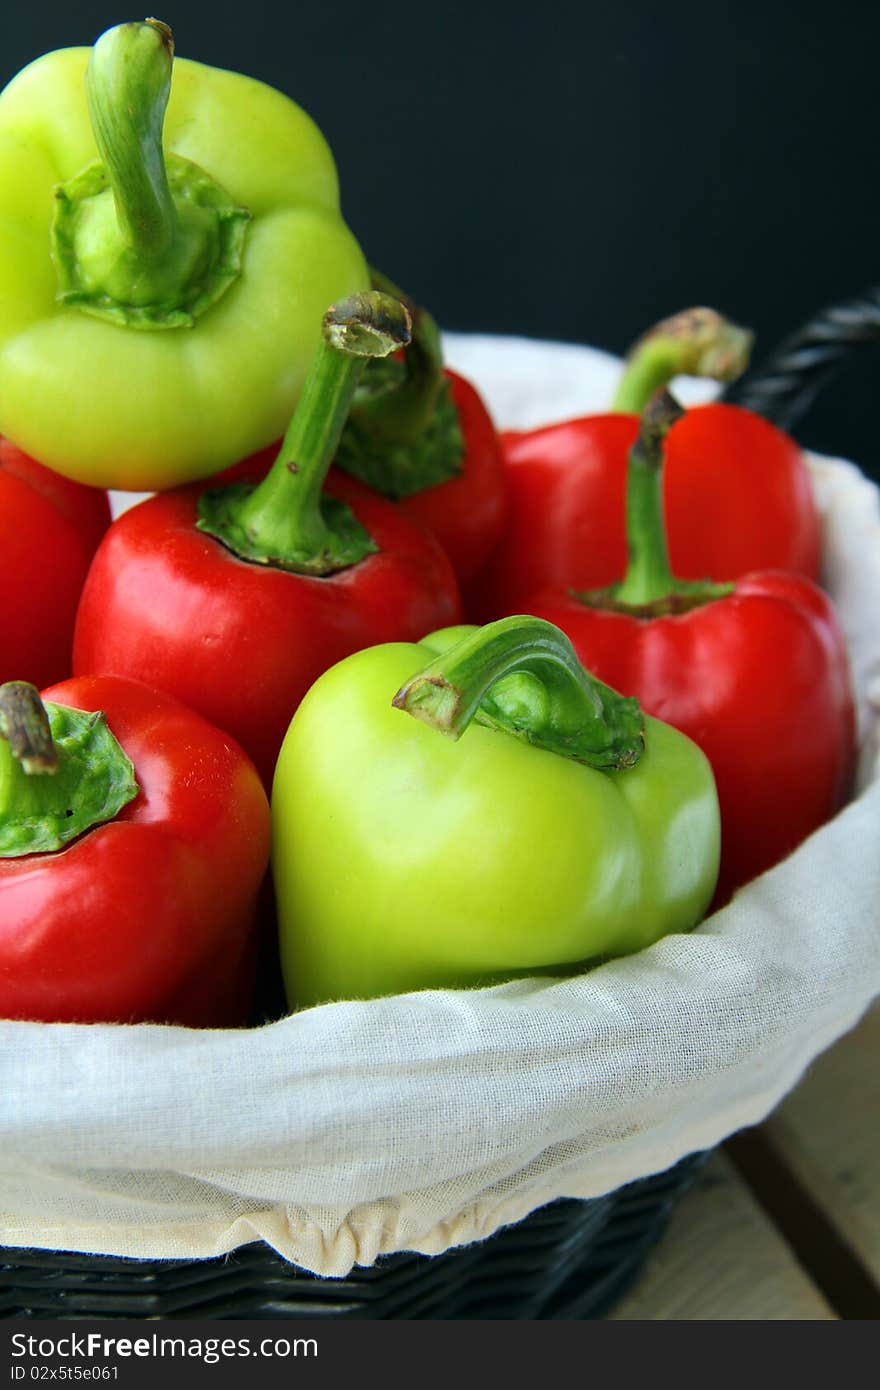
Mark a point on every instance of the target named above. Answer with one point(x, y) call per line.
point(90, 777)
point(685, 596)
point(345, 543)
point(106, 279)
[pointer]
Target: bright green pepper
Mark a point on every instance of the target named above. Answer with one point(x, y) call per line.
point(563, 827)
point(158, 311)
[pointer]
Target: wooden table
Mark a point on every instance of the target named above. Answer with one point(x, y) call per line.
point(785, 1221)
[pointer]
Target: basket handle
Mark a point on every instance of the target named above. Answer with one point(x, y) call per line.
point(782, 389)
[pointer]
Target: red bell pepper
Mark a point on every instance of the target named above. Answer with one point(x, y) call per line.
point(49, 530)
point(235, 600)
point(737, 490)
point(421, 435)
point(129, 878)
point(754, 671)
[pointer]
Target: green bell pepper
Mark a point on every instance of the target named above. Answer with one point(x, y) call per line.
point(563, 828)
point(158, 310)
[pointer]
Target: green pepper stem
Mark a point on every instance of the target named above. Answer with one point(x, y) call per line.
point(403, 415)
point(404, 433)
point(648, 574)
point(649, 589)
point(140, 238)
point(521, 676)
point(696, 342)
point(24, 724)
point(128, 82)
point(284, 513)
point(286, 521)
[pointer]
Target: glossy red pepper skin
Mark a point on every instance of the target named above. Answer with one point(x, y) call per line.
point(240, 642)
point(738, 498)
point(49, 530)
point(149, 917)
point(760, 680)
point(467, 513)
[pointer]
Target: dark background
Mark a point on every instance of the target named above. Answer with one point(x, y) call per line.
point(578, 170)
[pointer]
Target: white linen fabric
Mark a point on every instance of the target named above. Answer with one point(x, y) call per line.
point(428, 1120)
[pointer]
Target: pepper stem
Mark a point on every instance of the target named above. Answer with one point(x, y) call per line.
point(696, 342)
point(402, 416)
point(128, 83)
point(521, 676)
point(403, 432)
point(649, 589)
point(24, 724)
point(141, 238)
point(648, 574)
point(286, 521)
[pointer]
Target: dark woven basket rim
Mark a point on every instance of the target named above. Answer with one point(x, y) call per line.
point(569, 1259)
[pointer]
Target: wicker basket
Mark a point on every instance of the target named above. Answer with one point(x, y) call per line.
point(567, 1260)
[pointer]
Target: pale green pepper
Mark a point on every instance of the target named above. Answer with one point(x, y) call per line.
point(158, 310)
point(555, 826)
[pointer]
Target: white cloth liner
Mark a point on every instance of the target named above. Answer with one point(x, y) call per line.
point(429, 1120)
